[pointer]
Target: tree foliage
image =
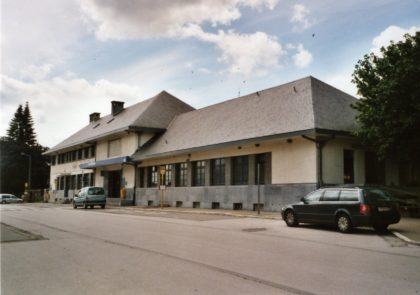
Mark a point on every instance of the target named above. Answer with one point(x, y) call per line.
point(21, 138)
point(21, 127)
point(389, 110)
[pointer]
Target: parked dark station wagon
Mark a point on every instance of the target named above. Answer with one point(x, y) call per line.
point(344, 207)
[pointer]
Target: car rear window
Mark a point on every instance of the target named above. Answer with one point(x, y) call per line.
point(349, 195)
point(376, 195)
point(96, 191)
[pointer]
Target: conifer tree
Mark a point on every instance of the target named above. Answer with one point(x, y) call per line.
point(15, 131)
point(21, 128)
point(29, 135)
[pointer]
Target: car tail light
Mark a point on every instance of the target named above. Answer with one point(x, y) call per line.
point(364, 209)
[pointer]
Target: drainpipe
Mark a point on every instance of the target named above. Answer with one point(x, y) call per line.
point(319, 146)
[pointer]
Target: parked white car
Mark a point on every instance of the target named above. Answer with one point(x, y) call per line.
point(9, 198)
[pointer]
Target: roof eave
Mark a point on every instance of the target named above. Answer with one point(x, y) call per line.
point(313, 132)
point(89, 140)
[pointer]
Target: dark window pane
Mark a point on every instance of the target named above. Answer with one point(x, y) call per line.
point(181, 179)
point(349, 195)
point(331, 195)
point(348, 166)
point(240, 170)
point(199, 172)
point(168, 175)
point(153, 176)
point(218, 172)
point(260, 160)
point(313, 197)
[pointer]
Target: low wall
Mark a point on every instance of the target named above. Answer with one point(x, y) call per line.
point(57, 196)
point(273, 197)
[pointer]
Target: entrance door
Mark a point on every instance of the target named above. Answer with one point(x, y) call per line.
point(114, 184)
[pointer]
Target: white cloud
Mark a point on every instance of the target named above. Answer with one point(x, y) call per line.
point(38, 32)
point(35, 73)
point(60, 105)
point(392, 33)
point(127, 19)
point(342, 81)
point(244, 53)
point(303, 57)
point(300, 18)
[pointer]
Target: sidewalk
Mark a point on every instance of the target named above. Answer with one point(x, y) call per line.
point(408, 229)
point(223, 212)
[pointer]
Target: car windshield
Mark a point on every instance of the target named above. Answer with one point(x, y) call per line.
point(376, 195)
point(96, 191)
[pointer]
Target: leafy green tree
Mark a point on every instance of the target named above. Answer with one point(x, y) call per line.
point(389, 110)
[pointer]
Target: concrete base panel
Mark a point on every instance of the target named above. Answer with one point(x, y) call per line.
point(272, 197)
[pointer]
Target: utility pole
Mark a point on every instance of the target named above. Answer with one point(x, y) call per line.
point(29, 170)
point(258, 182)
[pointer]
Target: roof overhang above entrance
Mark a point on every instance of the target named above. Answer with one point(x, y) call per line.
point(106, 162)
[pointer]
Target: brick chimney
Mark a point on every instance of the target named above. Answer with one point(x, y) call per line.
point(116, 107)
point(94, 117)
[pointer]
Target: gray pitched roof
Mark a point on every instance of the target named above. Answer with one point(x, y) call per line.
point(154, 113)
point(305, 104)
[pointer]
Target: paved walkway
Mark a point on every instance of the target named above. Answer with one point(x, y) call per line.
point(408, 229)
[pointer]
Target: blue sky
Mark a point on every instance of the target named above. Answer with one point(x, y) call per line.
point(70, 58)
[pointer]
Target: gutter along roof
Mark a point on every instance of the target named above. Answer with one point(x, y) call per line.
point(305, 106)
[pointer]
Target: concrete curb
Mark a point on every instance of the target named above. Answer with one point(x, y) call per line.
point(405, 239)
point(242, 215)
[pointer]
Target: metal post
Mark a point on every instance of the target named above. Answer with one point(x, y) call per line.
point(258, 181)
point(162, 171)
point(29, 169)
point(161, 191)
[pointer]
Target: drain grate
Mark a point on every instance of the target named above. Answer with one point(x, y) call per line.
point(252, 230)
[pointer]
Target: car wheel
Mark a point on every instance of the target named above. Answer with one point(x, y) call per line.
point(290, 218)
point(74, 205)
point(343, 223)
point(85, 205)
point(91, 207)
point(103, 206)
point(382, 228)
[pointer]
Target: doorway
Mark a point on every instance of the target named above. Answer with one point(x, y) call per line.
point(114, 184)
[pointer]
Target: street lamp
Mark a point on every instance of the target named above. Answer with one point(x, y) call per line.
point(29, 169)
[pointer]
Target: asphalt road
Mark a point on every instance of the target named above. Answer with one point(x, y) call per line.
point(99, 252)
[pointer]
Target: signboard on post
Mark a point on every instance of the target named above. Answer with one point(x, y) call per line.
point(162, 186)
point(162, 170)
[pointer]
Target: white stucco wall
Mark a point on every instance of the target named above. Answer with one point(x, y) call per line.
point(294, 162)
point(291, 162)
point(71, 168)
point(129, 144)
point(333, 162)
